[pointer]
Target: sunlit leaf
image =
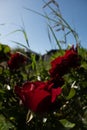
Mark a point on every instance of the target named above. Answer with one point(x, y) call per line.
point(6, 49)
point(67, 123)
point(71, 94)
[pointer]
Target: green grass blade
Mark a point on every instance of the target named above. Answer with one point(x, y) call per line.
point(26, 37)
point(55, 37)
point(24, 33)
point(64, 22)
point(18, 30)
point(18, 43)
point(40, 14)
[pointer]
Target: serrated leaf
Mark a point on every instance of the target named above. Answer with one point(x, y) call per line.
point(66, 123)
point(71, 94)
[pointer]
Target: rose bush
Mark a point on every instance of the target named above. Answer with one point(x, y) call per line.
point(59, 94)
point(39, 96)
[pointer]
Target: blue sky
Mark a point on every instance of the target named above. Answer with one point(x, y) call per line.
point(12, 13)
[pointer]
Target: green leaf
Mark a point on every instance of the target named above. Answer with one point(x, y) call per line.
point(0, 47)
point(66, 123)
point(6, 49)
point(4, 124)
point(71, 94)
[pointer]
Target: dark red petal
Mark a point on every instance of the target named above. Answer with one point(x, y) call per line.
point(39, 101)
point(55, 92)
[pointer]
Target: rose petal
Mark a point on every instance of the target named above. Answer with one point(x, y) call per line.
point(55, 92)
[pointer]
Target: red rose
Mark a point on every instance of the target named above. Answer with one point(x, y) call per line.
point(62, 64)
point(38, 96)
point(16, 61)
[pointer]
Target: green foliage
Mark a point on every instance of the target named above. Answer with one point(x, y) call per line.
point(67, 124)
point(71, 94)
point(5, 124)
point(72, 113)
point(4, 52)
